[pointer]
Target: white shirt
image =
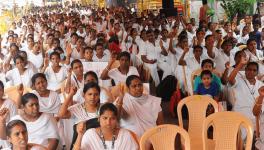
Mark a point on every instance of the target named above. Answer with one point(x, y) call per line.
point(50, 104)
point(141, 46)
point(118, 77)
point(242, 39)
point(17, 78)
point(151, 51)
point(75, 54)
point(220, 60)
point(40, 130)
point(192, 64)
point(245, 95)
point(105, 58)
point(190, 37)
point(78, 97)
point(259, 58)
point(124, 141)
point(75, 82)
point(37, 60)
point(205, 54)
point(55, 79)
point(179, 52)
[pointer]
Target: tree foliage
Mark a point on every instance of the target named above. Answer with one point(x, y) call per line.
point(236, 7)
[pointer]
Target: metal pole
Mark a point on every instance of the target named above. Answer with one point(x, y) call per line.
point(142, 5)
point(14, 8)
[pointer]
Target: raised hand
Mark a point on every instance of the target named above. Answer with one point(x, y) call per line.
point(46, 60)
point(4, 114)
point(68, 50)
point(69, 72)
point(20, 89)
point(81, 128)
point(186, 49)
point(154, 61)
point(112, 59)
point(73, 90)
point(119, 101)
point(261, 91)
point(244, 61)
point(227, 65)
point(161, 43)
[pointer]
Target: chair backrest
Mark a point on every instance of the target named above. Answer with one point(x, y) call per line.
point(194, 75)
point(226, 127)
point(163, 137)
point(197, 106)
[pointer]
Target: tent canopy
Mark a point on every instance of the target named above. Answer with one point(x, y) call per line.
point(20, 3)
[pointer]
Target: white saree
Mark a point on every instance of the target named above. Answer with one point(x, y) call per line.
point(142, 113)
point(124, 141)
point(51, 104)
point(41, 130)
point(80, 114)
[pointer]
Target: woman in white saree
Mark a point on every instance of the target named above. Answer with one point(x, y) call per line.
point(86, 111)
point(108, 136)
point(49, 101)
point(55, 73)
point(17, 135)
point(139, 112)
point(258, 111)
point(20, 74)
point(41, 127)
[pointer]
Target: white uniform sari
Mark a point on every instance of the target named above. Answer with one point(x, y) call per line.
point(10, 105)
point(16, 78)
point(124, 141)
point(51, 104)
point(118, 77)
point(41, 130)
point(80, 114)
point(55, 79)
point(142, 113)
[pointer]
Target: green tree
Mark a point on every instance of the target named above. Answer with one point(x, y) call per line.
point(237, 7)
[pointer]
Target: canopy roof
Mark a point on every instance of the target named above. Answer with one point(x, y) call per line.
point(20, 3)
